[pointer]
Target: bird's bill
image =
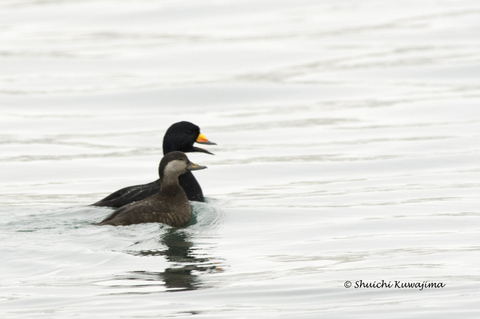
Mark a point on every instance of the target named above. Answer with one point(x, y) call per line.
point(202, 139)
point(194, 167)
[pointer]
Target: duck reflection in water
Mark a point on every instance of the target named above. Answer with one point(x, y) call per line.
point(187, 268)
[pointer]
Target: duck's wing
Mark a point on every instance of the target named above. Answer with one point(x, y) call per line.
point(133, 213)
point(129, 194)
point(150, 210)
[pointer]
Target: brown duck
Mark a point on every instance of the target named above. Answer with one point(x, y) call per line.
point(169, 206)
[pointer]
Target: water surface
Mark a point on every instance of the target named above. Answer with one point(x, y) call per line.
point(348, 149)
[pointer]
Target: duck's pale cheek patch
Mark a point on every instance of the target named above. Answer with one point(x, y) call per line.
point(174, 167)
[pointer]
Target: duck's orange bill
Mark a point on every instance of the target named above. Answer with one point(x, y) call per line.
point(203, 139)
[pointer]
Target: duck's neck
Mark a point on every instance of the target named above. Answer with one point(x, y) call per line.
point(171, 147)
point(170, 186)
point(169, 180)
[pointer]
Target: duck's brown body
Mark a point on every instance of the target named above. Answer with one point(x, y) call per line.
point(169, 206)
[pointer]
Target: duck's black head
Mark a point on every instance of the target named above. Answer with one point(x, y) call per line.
point(181, 136)
point(175, 164)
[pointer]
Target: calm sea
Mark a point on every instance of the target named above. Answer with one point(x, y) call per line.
point(345, 183)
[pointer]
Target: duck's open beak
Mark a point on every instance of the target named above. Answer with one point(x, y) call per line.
point(202, 139)
point(194, 167)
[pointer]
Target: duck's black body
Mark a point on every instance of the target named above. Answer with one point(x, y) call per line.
point(179, 137)
point(130, 194)
point(169, 206)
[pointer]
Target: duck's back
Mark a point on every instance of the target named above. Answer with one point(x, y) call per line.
point(129, 194)
point(136, 193)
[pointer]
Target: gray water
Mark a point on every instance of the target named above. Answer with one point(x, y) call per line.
point(348, 149)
